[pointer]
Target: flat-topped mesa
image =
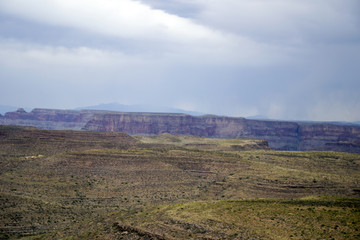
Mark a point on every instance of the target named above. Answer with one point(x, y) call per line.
point(48, 118)
point(157, 123)
point(281, 135)
point(45, 115)
point(329, 137)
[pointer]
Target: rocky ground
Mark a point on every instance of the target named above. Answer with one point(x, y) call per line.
point(100, 185)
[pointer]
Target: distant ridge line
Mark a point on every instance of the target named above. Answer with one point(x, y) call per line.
point(281, 135)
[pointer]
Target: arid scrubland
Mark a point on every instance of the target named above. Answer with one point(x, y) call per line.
point(93, 185)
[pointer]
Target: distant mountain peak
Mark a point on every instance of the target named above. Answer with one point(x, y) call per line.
point(21, 110)
point(117, 107)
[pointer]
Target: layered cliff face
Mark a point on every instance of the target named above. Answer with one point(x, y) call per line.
point(152, 124)
point(280, 135)
point(329, 137)
point(48, 118)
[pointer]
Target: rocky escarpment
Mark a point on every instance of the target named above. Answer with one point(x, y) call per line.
point(49, 118)
point(281, 135)
point(329, 137)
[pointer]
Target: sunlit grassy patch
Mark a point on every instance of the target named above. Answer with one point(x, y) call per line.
point(314, 217)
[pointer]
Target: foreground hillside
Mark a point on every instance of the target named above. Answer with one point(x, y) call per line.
point(98, 185)
point(305, 218)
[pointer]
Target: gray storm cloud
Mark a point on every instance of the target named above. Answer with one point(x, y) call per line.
point(283, 59)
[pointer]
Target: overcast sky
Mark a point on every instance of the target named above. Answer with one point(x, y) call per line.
point(284, 59)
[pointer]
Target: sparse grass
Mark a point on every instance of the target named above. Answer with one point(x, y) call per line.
point(309, 218)
point(199, 143)
point(76, 185)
